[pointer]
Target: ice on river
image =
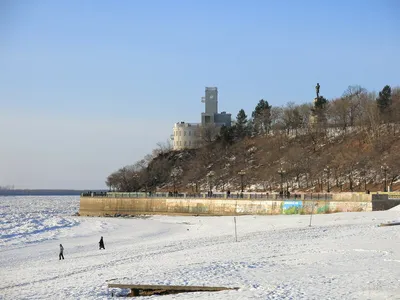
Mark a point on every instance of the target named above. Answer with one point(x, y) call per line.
point(342, 256)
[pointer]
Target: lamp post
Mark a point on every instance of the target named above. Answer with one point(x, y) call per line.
point(385, 169)
point(173, 175)
point(328, 171)
point(192, 184)
point(155, 183)
point(241, 173)
point(210, 176)
point(136, 176)
point(282, 173)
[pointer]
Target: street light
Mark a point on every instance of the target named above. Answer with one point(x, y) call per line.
point(173, 175)
point(282, 173)
point(241, 173)
point(136, 177)
point(385, 168)
point(210, 175)
point(192, 184)
point(328, 171)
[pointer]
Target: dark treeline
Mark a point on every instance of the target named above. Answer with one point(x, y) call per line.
point(21, 192)
point(346, 143)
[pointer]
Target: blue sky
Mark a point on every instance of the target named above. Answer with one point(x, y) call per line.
point(87, 87)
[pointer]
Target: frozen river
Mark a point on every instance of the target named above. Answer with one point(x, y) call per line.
point(342, 256)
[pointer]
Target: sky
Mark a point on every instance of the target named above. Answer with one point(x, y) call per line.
point(87, 87)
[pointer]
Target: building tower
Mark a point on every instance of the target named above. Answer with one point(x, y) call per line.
point(211, 105)
point(189, 135)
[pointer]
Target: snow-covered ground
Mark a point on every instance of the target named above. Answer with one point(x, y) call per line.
point(342, 256)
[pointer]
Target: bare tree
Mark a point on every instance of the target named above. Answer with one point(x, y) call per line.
point(277, 123)
point(287, 117)
point(396, 109)
point(369, 120)
point(162, 148)
point(209, 133)
point(354, 95)
point(338, 113)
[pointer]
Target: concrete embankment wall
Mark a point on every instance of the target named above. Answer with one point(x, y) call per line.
point(103, 206)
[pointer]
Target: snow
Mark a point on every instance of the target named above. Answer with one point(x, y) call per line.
point(396, 208)
point(342, 256)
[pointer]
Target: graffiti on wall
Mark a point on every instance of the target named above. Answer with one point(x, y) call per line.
point(323, 209)
point(291, 207)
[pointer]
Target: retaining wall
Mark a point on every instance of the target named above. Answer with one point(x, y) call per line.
point(103, 206)
point(383, 202)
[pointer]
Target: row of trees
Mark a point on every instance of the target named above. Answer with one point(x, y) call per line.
point(6, 188)
point(346, 141)
point(356, 107)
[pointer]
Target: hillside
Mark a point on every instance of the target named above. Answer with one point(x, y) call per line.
point(352, 142)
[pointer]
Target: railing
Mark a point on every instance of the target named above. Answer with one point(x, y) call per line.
point(391, 195)
point(317, 196)
point(394, 196)
point(218, 195)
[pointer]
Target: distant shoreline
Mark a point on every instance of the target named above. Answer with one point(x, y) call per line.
point(43, 192)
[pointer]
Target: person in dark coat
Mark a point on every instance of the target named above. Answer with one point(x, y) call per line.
point(101, 244)
point(61, 255)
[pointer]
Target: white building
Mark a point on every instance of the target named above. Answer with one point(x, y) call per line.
point(188, 135)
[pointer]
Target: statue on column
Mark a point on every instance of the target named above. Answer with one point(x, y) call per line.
point(317, 90)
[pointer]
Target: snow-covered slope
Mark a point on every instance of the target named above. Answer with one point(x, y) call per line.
point(342, 256)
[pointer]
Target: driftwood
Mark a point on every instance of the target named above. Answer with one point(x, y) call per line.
point(389, 224)
point(149, 290)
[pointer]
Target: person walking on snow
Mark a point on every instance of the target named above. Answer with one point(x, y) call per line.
point(61, 252)
point(101, 244)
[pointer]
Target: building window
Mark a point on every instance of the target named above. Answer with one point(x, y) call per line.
point(185, 133)
point(190, 133)
point(185, 143)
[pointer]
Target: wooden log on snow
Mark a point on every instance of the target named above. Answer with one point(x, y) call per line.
point(148, 290)
point(389, 224)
